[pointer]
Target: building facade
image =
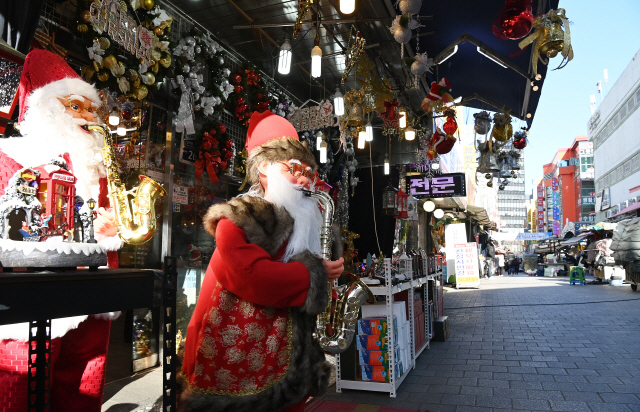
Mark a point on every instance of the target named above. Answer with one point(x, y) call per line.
point(614, 130)
point(512, 204)
point(568, 194)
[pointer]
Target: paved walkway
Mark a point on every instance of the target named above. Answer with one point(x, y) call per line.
point(531, 344)
point(517, 343)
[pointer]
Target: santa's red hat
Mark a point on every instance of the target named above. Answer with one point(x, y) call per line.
point(445, 83)
point(45, 75)
point(273, 138)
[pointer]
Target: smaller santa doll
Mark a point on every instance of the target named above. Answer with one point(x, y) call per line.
point(439, 91)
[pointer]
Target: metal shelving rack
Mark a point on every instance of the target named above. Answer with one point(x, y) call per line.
point(388, 290)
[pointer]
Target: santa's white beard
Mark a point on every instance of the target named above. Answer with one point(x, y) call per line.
point(303, 209)
point(49, 132)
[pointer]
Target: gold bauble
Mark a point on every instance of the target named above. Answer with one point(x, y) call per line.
point(85, 15)
point(151, 78)
point(140, 92)
point(158, 31)
point(148, 4)
point(155, 68)
point(109, 62)
point(96, 66)
point(87, 72)
point(165, 61)
point(103, 76)
point(105, 43)
point(82, 28)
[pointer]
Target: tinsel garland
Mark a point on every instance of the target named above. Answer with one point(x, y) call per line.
point(127, 73)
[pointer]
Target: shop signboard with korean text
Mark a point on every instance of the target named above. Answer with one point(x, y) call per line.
point(540, 208)
point(554, 183)
point(444, 185)
point(467, 268)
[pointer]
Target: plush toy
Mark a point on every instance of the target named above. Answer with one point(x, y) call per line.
point(439, 91)
point(439, 144)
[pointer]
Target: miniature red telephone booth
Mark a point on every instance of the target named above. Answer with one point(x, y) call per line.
point(57, 195)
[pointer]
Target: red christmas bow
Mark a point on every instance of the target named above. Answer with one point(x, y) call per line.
point(210, 161)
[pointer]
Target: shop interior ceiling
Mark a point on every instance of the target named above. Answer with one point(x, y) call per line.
point(257, 28)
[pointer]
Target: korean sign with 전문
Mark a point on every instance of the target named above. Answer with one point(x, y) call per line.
point(444, 185)
point(467, 272)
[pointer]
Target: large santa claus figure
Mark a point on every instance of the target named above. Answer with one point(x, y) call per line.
point(249, 345)
point(55, 106)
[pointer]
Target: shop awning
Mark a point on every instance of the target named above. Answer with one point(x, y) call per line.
point(478, 214)
point(575, 240)
point(631, 208)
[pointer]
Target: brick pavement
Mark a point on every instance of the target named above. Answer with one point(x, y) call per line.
point(527, 344)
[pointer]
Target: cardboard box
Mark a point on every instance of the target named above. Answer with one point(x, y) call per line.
point(371, 342)
point(376, 326)
point(373, 357)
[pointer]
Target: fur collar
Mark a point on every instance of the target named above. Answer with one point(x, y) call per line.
point(265, 224)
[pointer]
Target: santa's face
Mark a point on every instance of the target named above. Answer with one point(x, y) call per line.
point(81, 109)
point(293, 171)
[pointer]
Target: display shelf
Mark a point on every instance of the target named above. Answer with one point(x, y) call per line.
point(389, 290)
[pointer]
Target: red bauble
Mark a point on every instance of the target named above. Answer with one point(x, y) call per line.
point(206, 145)
point(223, 129)
point(236, 78)
point(256, 77)
point(213, 132)
point(126, 114)
point(229, 144)
point(237, 88)
point(240, 101)
point(446, 145)
point(259, 96)
point(520, 143)
point(450, 126)
point(514, 20)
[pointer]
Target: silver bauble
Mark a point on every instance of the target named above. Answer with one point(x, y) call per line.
point(198, 49)
point(220, 60)
point(186, 68)
point(196, 96)
point(190, 41)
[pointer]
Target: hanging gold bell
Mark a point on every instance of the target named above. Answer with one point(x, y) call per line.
point(355, 114)
point(552, 40)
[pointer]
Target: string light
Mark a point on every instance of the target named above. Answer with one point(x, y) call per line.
point(121, 130)
point(347, 6)
point(114, 119)
point(409, 133)
point(362, 137)
point(402, 117)
point(338, 102)
point(369, 130)
point(316, 58)
point(319, 138)
point(323, 151)
point(386, 164)
point(284, 61)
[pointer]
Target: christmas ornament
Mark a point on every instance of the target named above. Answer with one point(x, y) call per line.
point(409, 6)
point(514, 21)
point(502, 130)
point(82, 28)
point(550, 39)
point(520, 139)
point(421, 65)
point(390, 118)
point(354, 51)
point(438, 95)
point(85, 15)
point(215, 150)
point(109, 62)
point(148, 4)
point(401, 30)
point(243, 104)
point(482, 123)
point(303, 7)
point(450, 126)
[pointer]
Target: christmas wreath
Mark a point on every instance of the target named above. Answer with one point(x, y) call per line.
point(130, 72)
point(215, 149)
point(249, 93)
point(197, 53)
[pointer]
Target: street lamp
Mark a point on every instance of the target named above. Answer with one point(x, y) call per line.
point(92, 204)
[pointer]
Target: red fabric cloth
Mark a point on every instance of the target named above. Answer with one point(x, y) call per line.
point(78, 367)
point(243, 286)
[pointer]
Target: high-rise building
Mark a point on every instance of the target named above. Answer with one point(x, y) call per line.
point(511, 204)
point(567, 185)
point(614, 130)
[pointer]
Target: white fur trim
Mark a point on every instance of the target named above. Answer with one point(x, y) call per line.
point(111, 243)
point(59, 327)
point(63, 88)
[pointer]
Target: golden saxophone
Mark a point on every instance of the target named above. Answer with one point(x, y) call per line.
point(355, 294)
point(136, 222)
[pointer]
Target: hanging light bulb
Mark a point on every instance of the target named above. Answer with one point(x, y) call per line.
point(429, 206)
point(369, 130)
point(438, 213)
point(386, 164)
point(347, 6)
point(409, 133)
point(319, 139)
point(284, 61)
point(316, 57)
point(323, 151)
point(362, 137)
point(121, 130)
point(402, 117)
point(114, 119)
point(338, 102)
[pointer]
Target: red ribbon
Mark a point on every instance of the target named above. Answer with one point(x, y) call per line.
point(207, 161)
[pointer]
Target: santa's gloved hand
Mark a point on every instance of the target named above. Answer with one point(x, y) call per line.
point(105, 223)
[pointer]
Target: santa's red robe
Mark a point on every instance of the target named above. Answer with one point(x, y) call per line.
point(249, 344)
point(78, 347)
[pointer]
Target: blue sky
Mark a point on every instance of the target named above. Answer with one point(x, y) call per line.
point(604, 35)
